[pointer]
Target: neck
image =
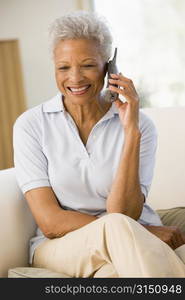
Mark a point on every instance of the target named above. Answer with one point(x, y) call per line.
point(88, 114)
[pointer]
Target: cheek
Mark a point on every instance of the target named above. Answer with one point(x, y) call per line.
point(59, 79)
point(60, 83)
point(100, 79)
point(98, 76)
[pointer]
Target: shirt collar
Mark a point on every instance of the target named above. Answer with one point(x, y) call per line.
point(114, 109)
point(56, 105)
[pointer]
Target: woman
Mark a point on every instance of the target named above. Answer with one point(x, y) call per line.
point(85, 166)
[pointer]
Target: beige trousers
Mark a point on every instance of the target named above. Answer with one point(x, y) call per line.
point(112, 246)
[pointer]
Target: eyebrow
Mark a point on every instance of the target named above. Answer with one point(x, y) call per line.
point(66, 62)
point(90, 58)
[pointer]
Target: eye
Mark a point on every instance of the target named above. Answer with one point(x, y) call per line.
point(89, 66)
point(63, 68)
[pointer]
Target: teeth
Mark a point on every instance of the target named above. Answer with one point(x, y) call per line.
point(78, 90)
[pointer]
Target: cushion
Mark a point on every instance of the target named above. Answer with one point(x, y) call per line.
point(29, 272)
point(173, 217)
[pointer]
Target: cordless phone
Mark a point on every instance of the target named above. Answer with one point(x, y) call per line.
point(111, 96)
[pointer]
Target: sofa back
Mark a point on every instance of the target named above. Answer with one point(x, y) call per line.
point(168, 186)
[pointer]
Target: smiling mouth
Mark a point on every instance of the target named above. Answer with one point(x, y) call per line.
point(79, 91)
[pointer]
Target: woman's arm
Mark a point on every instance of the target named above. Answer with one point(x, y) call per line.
point(126, 196)
point(50, 217)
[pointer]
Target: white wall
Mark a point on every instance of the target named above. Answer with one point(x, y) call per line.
point(28, 21)
point(150, 37)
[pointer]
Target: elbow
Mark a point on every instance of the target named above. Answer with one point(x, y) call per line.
point(132, 211)
point(49, 234)
point(134, 214)
point(135, 211)
point(52, 226)
point(52, 231)
point(47, 231)
point(52, 234)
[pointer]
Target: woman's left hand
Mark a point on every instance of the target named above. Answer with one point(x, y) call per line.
point(171, 235)
point(129, 110)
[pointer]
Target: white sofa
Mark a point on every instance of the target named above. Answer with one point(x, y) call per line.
point(167, 190)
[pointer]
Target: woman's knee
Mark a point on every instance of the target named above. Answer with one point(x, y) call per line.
point(116, 218)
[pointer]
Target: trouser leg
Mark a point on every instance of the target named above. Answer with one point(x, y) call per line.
point(115, 239)
point(180, 251)
point(106, 271)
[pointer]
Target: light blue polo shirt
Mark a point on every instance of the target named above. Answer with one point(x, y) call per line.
point(48, 151)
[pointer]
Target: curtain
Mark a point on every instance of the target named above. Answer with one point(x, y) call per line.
point(12, 98)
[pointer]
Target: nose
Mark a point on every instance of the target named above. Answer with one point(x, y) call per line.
point(76, 75)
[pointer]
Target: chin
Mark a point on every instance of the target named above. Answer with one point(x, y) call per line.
point(80, 99)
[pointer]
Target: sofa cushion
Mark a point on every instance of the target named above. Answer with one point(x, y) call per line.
point(173, 217)
point(29, 272)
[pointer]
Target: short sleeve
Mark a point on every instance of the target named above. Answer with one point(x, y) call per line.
point(148, 148)
point(29, 160)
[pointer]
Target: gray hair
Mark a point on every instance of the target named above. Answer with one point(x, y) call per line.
point(82, 25)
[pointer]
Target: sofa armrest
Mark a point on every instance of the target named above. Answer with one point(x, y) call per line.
point(173, 217)
point(17, 225)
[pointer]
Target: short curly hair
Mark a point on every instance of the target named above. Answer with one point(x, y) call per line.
point(82, 25)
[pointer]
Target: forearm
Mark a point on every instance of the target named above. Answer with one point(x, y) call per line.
point(51, 218)
point(125, 195)
point(66, 221)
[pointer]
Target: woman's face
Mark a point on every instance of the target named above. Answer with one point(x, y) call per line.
point(79, 70)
